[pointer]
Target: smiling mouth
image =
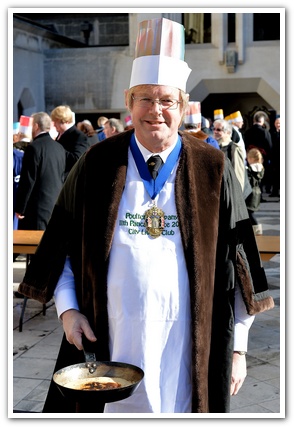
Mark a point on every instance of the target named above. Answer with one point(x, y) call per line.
point(152, 122)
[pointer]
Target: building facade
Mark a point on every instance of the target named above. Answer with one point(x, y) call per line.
point(85, 60)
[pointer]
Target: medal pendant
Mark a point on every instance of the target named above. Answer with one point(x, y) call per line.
point(154, 221)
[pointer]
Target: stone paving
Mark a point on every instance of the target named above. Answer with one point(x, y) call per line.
point(35, 348)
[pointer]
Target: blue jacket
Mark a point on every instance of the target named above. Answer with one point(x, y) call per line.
point(212, 141)
point(17, 164)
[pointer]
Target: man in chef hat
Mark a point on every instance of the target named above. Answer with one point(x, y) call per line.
point(193, 121)
point(218, 114)
point(128, 123)
point(146, 238)
point(237, 123)
point(193, 116)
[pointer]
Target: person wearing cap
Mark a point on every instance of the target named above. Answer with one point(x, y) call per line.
point(128, 123)
point(235, 136)
point(237, 123)
point(223, 134)
point(218, 114)
point(193, 123)
point(152, 244)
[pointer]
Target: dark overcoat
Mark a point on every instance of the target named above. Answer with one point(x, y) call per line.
point(259, 137)
point(75, 143)
point(41, 179)
point(218, 243)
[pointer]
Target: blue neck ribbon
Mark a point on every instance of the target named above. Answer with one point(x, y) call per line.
point(154, 186)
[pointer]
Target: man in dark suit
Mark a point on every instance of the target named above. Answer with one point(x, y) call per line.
point(42, 176)
point(74, 141)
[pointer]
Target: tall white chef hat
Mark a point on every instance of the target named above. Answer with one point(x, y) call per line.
point(159, 54)
point(193, 113)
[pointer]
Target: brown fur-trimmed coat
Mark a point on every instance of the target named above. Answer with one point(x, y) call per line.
point(218, 243)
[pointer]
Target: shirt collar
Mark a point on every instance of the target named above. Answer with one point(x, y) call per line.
point(163, 154)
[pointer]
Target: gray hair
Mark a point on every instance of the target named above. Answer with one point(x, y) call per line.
point(43, 120)
point(225, 125)
point(117, 124)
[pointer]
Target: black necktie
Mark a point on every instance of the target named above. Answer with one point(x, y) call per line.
point(154, 163)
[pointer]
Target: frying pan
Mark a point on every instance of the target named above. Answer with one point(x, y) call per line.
point(131, 374)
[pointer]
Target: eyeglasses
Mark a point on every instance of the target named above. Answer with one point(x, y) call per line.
point(218, 130)
point(165, 103)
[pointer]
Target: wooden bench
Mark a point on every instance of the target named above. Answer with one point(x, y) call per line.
point(26, 242)
point(268, 246)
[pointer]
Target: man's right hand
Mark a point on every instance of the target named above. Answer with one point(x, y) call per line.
point(75, 325)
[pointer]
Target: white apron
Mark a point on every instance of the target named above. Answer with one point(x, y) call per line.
point(149, 303)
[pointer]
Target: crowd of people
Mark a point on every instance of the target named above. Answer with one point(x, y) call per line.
point(254, 152)
point(44, 156)
point(225, 133)
point(255, 156)
point(149, 251)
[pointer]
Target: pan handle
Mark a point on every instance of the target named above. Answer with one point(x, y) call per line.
point(90, 356)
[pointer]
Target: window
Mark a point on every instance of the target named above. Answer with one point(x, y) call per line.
point(197, 27)
point(266, 26)
point(231, 27)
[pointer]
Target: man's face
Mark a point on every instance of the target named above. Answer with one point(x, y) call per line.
point(108, 130)
point(218, 132)
point(60, 126)
point(239, 124)
point(156, 127)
